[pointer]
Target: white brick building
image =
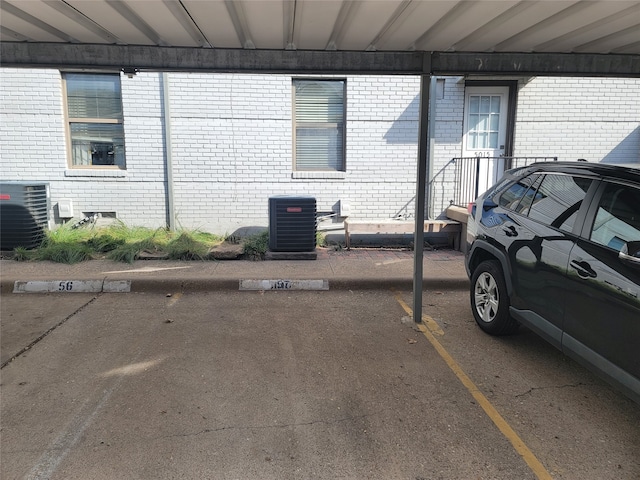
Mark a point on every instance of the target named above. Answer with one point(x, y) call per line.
point(233, 140)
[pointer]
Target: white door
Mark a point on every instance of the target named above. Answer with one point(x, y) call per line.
point(485, 127)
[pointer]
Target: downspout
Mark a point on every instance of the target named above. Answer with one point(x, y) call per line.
point(430, 212)
point(423, 167)
point(166, 109)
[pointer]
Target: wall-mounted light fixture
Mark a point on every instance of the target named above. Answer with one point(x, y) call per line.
point(130, 71)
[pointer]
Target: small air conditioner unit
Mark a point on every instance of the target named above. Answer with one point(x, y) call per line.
point(292, 224)
point(24, 214)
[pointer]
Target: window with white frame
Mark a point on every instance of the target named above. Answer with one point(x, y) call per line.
point(95, 121)
point(319, 131)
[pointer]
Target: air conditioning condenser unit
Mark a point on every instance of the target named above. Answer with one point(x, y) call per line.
point(292, 224)
point(24, 214)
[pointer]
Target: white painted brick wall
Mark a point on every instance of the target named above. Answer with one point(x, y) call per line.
point(597, 119)
point(31, 125)
point(232, 142)
point(232, 137)
point(33, 142)
point(448, 144)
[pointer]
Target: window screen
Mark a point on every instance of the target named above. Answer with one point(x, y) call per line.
point(319, 125)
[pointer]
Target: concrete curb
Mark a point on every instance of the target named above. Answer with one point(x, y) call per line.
point(165, 285)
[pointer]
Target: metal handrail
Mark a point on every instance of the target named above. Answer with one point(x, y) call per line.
point(469, 175)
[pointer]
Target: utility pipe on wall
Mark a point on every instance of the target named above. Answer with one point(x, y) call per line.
point(166, 109)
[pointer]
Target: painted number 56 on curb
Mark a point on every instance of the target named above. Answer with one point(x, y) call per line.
point(65, 286)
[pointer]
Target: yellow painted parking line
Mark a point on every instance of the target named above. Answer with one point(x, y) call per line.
point(174, 299)
point(426, 319)
point(534, 464)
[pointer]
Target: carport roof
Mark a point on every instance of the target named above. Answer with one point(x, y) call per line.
point(565, 37)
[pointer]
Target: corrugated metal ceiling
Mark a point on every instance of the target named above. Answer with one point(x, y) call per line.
point(556, 26)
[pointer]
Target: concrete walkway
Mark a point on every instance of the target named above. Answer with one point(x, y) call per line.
point(361, 268)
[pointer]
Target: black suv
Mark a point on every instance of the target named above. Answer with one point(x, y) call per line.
point(556, 247)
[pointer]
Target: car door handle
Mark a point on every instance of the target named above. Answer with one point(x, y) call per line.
point(510, 231)
point(584, 269)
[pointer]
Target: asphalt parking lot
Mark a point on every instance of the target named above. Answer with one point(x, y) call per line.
point(295, 385)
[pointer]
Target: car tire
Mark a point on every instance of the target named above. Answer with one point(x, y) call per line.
point(489, 299)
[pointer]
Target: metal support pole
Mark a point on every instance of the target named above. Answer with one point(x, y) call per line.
point(171, 217)
point(476, 192)
point(423, 168)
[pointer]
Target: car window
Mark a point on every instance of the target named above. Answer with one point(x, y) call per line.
point(497, 187)
point(512, 196)
point(618, 217)
point(529, 197)
point(558, 200)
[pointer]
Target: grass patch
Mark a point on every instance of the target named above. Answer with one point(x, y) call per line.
point(21, 254)
point(255, 246)
point(118, 242)
point(64, 252)
point(63, 245)
point(129, 252)
point(105, 242)
point(190, 246)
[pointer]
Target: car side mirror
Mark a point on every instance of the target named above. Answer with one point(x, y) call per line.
point(630, 254)
point(488, 204)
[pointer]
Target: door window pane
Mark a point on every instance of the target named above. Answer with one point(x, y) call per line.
point(473, 140)
point(485, 104)
point(483, 121)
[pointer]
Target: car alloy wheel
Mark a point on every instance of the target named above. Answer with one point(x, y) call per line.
point(486, 297)
point(489, 299)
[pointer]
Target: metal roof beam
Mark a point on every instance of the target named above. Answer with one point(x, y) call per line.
point(526, 64)
point(289, 16)
point(632, 47)
point(180, 12)
point(81, 19)
point(628, 12)
point(186, 59)
point(36, 22)
point(491, 25)
point(622, 34)
point(138, 22)
point(7, 32)
point(446, 22)
point(345, 17)
point(564, 14)
point(239, 19)
point(404, 10)
point(146, 57)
